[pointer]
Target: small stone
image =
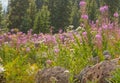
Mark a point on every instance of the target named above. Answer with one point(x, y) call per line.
point(107, 55)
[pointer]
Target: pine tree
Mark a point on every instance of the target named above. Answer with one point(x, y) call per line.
point(39, 4)
point(60, 13)
point(17, 13)
point(92, 10)
point(42, 20)
point(3, 18)
point(29, 17)
point(75, 14)
point(1, 15)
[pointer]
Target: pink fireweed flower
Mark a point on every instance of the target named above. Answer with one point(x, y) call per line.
point(84, 17)
point(35, 35)
point(48, 38)
point(12, 30)
point(54, 40)
point(100, 30)
point(98, 40)
point(49, 62)
point(97, 21)
point(27, 49)
point(106, 7)
point(103, 9)
point(84, 34)
point(98, 37)
point(110, 26)
point(19, 33)
point(62, 37)
point(82, 3)
point(105, 27)
point(116, 14)
point(60, 31)
point(56, 50)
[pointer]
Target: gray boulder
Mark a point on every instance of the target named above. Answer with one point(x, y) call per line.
point(53, 75)
point(99, 72)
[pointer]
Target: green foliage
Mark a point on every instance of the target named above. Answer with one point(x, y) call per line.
point(19, 71)
point(42, 20)
point(116, 77)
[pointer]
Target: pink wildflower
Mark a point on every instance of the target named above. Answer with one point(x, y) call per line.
point(98, 37)
point(56, 50)
point(116, 14)
point(82, 3)
point(103, 9)
point(84, 34)
point(84, 17)
point(49, 62)
point(27, 49)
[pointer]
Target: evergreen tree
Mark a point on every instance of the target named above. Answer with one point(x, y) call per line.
point(3, 18)
point(29, 17)
point(17, 13)
point(60, 13)
point(1, 15)
point(42, 20)
point(75, 14)
point(92, 8)
point(39, 4)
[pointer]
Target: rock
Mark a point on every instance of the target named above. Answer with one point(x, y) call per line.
point(53, 75)
point(107, 55)
point(98, 73)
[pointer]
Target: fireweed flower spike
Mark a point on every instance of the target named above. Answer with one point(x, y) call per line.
point(105, 26)
point(98, 39)
point(84, 34)
point(84, 17)
point(49, 62)
point(82, 3)
point(116, 14)
point(56, 50)
point(103, 9)
point(27, 49)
